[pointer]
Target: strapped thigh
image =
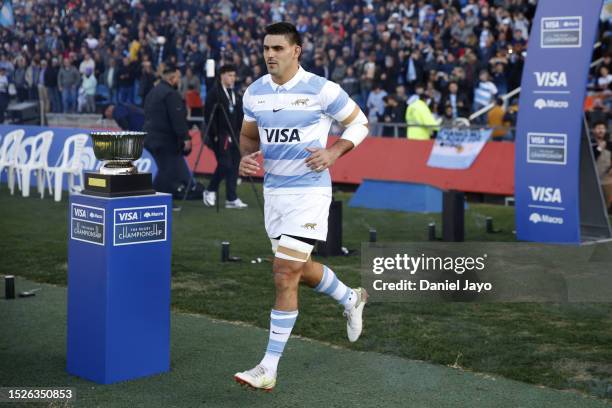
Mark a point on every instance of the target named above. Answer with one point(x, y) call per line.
point(293, 249)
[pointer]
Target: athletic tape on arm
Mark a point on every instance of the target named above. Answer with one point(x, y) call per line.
point(356, 130)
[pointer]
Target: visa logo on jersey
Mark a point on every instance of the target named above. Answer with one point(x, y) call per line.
point(128, 216)
point(282, 135)
point(551, 79)
point(545, 194)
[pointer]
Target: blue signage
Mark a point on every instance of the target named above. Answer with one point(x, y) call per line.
point(139, 225)
point(549, 128)
point(87, 224)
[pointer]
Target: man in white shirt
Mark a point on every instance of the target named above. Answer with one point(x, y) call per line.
point(287, 117)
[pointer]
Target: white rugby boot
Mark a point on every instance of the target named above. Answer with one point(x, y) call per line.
point(354, 315)
point(237, 203)
point(258, 377)
point(209, 198)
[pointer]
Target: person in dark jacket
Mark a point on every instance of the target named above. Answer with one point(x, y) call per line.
point(219, 138)
point(50, 80)
point(167, 132)
point(128, 117)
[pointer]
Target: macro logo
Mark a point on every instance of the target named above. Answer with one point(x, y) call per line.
point(550, 104)
point(282, 135)
point(551, 79)
point(545, 194)
point(535, 218)
point(546, 219)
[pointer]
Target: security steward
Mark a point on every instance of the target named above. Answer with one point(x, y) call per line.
point(167, 137)
point(219, 139)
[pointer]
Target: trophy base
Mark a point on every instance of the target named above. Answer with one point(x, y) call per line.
point(117, 185)
point(118, 167)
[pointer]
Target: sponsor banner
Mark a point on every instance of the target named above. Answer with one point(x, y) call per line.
point(139, 225)
point(87, 224)
point(88, 159)
point(549, 128)
point(457, 148)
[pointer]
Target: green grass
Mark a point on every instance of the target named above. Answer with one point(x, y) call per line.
point(564, 347)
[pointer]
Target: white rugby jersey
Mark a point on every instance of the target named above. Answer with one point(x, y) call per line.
point(290, 118)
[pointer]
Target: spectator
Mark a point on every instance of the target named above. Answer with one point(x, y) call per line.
point(109, 79)
point(31, 78)
point(4, 92)
point(127, 117)
point(147, 80)
point(68, 81)
point(19, 79)
point(495, 120)
point(43, 93)
point(87, 64)
point(125, 81)
point(51, 75)
point(605, 79)
point(394, 113)
point(420, 121)
point(376, 107)
point(457, 101)
point(485, 91)
point(88, 88)
point(602, 150)
point(189, 81)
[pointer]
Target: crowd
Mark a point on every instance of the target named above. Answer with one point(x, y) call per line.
point(457, 55)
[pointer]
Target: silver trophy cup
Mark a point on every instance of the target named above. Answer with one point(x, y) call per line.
point(117, 150)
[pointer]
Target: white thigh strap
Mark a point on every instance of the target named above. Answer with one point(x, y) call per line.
point(293, 249)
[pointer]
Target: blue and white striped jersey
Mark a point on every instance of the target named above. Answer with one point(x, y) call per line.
point(290, 118)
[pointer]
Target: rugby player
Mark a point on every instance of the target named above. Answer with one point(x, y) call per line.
point(287, 117)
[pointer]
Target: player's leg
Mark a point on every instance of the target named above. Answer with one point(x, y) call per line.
point(290, 256)
point(323, 280)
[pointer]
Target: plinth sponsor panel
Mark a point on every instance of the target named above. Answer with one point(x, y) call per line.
point(87, 224)
point(139, 225)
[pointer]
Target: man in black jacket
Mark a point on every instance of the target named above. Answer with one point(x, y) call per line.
point(167, 132)
point(220, 140)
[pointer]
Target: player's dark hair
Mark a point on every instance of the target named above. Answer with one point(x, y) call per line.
point(286, 29)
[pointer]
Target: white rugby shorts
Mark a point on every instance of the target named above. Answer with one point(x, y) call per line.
point(299, 215)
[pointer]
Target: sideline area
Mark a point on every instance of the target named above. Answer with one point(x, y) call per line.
point(206, 353)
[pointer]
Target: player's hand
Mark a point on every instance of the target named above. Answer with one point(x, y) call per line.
point(187, 147)
point(320, 159)
point(248, 164)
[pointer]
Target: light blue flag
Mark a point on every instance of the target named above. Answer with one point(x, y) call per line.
point(7, 19)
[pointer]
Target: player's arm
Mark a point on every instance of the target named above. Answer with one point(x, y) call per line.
point(249, 148)
point(355, 130)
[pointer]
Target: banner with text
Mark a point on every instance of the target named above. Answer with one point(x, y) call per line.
point(549, 128)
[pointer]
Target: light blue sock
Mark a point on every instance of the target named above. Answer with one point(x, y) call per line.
point(281, 324)
point(332, 286)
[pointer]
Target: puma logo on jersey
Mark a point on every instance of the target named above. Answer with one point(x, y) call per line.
point(309, 225)
point(282, 135)
point(302, 101)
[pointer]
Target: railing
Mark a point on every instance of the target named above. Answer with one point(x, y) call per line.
point(516, 91)
point(400, 128)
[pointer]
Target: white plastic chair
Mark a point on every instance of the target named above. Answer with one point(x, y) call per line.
point(8, 155)
point(33, 156)
point(70, 164)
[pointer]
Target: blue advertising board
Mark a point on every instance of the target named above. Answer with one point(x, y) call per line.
point(549, 128)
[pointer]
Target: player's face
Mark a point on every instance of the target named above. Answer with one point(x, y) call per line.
point(280, 56)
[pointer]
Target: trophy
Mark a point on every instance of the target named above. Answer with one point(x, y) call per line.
point(118, 176)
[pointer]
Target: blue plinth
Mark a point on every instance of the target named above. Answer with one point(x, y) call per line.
point(119, 253)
